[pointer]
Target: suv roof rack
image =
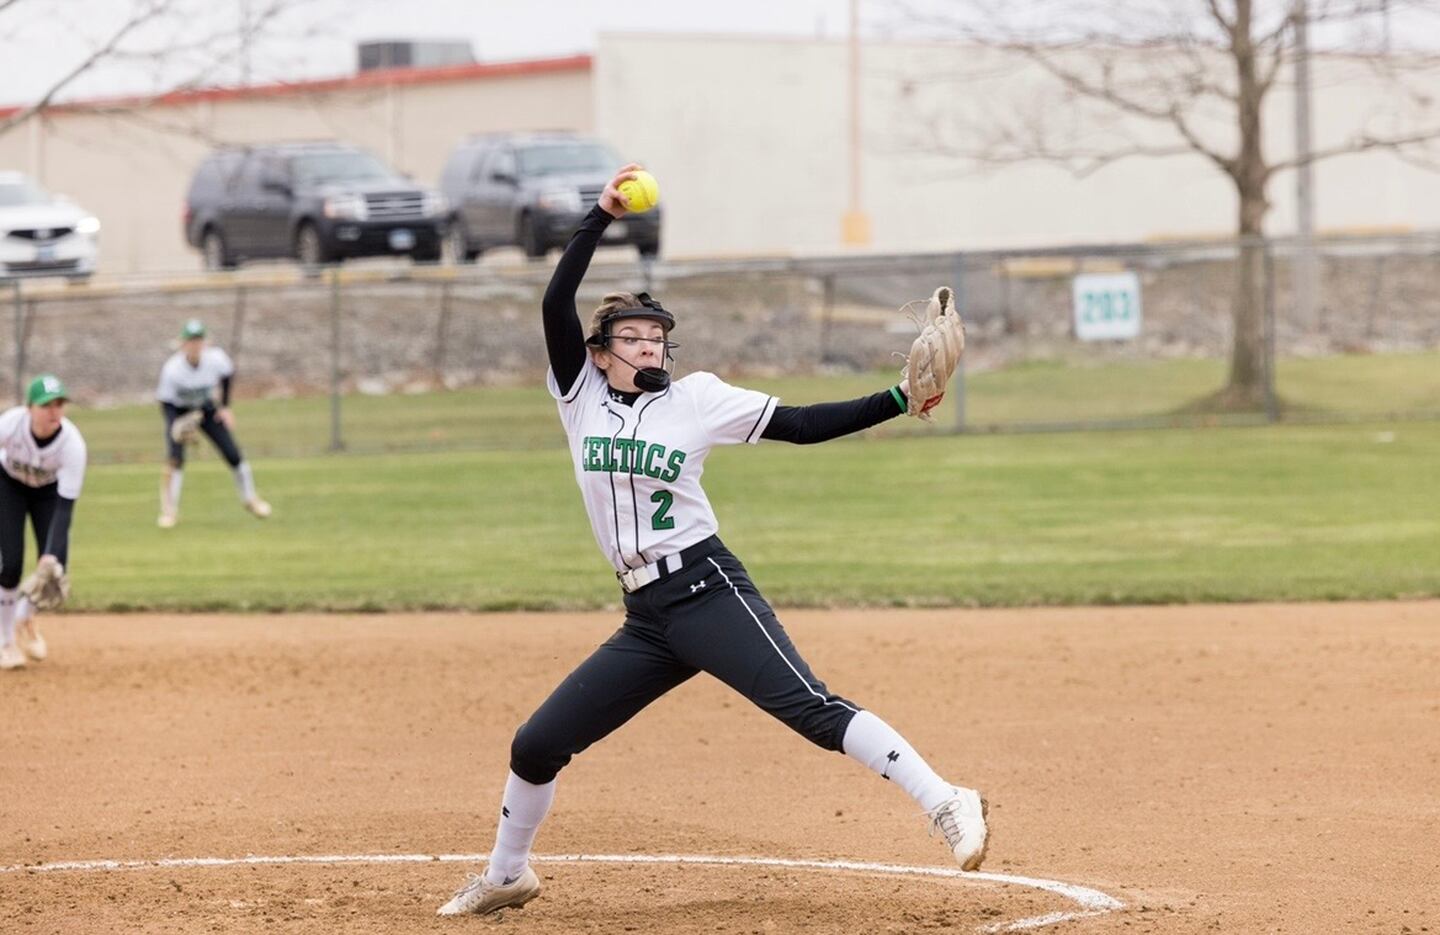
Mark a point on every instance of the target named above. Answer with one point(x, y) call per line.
point(289, 145)
point(527, 134)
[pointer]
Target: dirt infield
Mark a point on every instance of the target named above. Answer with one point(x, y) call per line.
point(1216, 769)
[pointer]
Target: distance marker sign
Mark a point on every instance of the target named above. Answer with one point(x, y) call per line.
point(1107, 306)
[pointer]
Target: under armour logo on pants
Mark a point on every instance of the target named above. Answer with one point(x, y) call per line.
point(696, 587)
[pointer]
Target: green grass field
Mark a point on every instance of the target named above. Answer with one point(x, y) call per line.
point(467, 500)
point(523, 418)
point(1228, 514)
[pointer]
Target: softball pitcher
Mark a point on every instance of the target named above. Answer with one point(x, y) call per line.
point(188, 384)
point(42, 455)
point(639, 442)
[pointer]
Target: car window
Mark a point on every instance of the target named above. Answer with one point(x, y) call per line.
point(274, 170)
point(339, 166)
point(205, 178)
point(502, 162)
point(457, 166)
point(566, 157)
point(218, 174)
point(14, 194)
point(476, 165)
point(246, 177)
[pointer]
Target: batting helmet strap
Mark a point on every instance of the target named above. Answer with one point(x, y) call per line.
point(648, 308)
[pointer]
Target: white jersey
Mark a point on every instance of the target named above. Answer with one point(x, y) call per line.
point(191, 387)
point(60, 460)
point(639, 466)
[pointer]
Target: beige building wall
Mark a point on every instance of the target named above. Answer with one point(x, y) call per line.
point(750, 141)
point(132, 167)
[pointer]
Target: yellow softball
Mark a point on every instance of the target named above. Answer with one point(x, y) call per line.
point(643, 192)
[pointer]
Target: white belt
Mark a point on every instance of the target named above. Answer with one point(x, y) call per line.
point(636, 578)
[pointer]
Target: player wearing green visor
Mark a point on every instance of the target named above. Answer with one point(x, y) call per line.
point(194, 395)
point(42, 468)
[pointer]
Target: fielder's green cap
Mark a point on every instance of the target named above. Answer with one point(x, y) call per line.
point(194, 328)
point(45, 388)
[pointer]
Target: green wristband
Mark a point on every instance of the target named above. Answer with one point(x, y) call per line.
point(899, 398)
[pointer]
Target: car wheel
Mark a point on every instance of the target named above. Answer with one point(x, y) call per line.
point(457, 244)
point(534, 247)
point(309, 247)
point(216, 253)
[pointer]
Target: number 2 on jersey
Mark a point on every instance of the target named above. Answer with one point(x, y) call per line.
point(658, 520)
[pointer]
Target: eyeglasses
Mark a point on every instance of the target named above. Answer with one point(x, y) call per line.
point(631, 341)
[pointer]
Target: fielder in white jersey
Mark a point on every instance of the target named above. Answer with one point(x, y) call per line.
point(639, 441)
point(42, 470)
point(194, 395)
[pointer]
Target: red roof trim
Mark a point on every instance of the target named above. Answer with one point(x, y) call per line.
point(367, 79)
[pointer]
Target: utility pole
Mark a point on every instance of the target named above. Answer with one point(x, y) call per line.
point(1305, 266)
point(855, 227)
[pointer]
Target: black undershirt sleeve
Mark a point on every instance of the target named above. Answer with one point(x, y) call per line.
point(57, 543)
point(806, 425)
point(225, 391)
point(564, 336)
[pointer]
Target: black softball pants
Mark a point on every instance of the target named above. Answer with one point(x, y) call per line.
point(211, 426)
point(16, 501)
point(707, 617)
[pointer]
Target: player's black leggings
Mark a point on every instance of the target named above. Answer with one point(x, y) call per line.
point(211, 426)
point(17, 500)
point(707, 617)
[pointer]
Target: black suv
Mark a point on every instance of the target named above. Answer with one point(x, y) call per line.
point(317, 202)
point(531, 190)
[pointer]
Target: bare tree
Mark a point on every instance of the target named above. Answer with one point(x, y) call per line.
point(1158, 78)
point(180, 44)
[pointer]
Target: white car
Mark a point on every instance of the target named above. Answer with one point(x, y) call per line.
point(43, 234)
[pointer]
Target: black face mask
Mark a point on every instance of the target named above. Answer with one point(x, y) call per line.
point(652, 379)
point(648, 379)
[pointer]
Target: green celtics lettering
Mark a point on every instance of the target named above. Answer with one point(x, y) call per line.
point(632, 456)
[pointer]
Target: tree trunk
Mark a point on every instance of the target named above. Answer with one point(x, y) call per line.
point(1246, 388)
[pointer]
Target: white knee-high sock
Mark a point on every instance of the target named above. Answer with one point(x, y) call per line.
point(523, 808)
point(24, 610)
point(172, 492)
point(7, 615)
point(244, 481)
point(879, 746)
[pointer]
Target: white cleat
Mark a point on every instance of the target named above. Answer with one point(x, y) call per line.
point(167, 521)
point(962, 820)
point(11, 657)
point(259, 507)
point(477, 897)
point(32, 643)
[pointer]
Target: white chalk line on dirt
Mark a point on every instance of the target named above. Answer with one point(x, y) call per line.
point(1091, 902)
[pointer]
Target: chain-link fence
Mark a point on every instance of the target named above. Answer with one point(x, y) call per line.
point(440, 357)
